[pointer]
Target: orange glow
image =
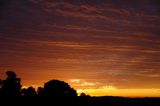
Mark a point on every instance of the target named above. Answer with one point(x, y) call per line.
point(112, 91)
point(90, 88)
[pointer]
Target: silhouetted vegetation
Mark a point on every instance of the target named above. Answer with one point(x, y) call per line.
point(60, 92)
point(11, 86)
point(58, 88)
point(30, 91)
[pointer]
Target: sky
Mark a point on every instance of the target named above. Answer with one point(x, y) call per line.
point(100, 47)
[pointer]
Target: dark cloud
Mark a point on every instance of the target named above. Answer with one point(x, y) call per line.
point(113, 42)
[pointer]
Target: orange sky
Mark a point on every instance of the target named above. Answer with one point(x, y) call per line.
point(101, 47)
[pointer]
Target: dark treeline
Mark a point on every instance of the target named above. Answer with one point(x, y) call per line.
point(56, 92)
point(11, 87)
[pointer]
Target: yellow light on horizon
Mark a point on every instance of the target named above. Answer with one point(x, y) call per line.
point(112, 91)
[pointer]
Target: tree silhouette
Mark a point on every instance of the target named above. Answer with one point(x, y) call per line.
point(84, 95)
point(28, 92)
point(58, 89)
point(72, 92)
point(40, 91)
point(11, 86)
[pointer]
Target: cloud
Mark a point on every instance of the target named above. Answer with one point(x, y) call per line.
point(84, 11)
point(150, 73)
point(82, 83)
point(112, 42)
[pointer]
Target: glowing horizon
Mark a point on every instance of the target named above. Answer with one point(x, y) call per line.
point(108, 90)
point(112, 91)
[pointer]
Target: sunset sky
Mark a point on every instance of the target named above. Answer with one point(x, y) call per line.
point(100, 47)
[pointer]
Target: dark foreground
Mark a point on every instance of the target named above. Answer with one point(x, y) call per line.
point(80, 101)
